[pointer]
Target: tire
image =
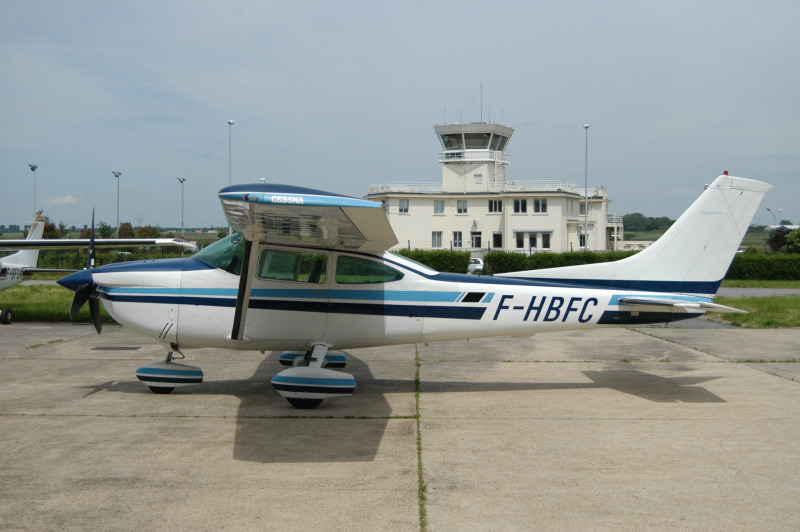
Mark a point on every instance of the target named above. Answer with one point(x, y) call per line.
point(304, 404)
point(5, 316)
point(161, 390)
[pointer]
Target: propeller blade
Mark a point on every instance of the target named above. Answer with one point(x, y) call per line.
point(94, 309)
point(83, 293)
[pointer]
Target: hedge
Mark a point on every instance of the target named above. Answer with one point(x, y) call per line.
point(502, 261)
point(774, 267)
point(441, 260)
point(777, 266)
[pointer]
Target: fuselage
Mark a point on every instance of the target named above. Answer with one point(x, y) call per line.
point(301, 296)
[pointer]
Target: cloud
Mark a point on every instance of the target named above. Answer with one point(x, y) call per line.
point(63, 200)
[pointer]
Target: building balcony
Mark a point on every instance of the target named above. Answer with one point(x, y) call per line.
point(410, 188)
point(533, 186)
point(474, 156)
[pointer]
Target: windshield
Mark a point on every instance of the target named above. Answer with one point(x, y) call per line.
point(225, 254)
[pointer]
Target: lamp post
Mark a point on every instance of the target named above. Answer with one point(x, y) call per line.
point(33, 168)
point(117, 174)
point(230, 124)
point(586, 192)
point(774, 222)
point(181, 180)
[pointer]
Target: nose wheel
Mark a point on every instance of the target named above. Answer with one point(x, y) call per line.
point(164, 376)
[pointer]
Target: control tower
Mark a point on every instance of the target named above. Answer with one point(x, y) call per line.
point(474, 158)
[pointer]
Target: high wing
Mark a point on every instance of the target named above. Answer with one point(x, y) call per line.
point(71, 243)
point(297, 216)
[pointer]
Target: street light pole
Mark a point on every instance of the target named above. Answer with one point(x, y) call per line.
point(774, 221)
point(586, 192)
point(230, 124)
point(181, 180)
point(33, 168)
point(117, 174)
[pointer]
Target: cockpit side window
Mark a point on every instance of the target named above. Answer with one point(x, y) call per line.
point(355, 270)
point(292, 266)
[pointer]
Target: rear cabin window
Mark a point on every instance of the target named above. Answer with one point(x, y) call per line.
point(291, 266)
point(355, 270)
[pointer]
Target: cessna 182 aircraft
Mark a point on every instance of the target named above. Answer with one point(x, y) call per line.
point(16, 267)
point(307, 271)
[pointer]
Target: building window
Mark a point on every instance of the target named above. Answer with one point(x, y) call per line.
point(403, 206)
point(462, 207)
point(532, 241)
point(456, 239)
point(438, 206)
point(495, 205)
point(475, 238)
point(478, 178)
point(436, 239)
point(497, 240)
point(540, 205)
point(545, 240)
point(520, 240)
point(520, 205)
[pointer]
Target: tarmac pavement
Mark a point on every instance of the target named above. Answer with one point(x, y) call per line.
point(611, 429)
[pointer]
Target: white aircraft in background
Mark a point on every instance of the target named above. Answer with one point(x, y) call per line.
point(16, 267)
point(307, 271)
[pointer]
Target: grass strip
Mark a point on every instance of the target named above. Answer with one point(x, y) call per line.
point(764, 312)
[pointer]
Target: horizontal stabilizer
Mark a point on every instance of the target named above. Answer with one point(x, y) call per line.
point(678, 304)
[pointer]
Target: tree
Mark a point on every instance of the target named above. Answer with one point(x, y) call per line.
point(126, 230)
point(792, 242)
point(49, 230)
point(62, 230)
point(777, 239)
point(104, 230)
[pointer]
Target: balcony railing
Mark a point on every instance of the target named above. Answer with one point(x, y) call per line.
point(474, 155)
point(414, 188)
point(533, 186)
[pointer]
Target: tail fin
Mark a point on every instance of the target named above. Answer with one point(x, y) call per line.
point(29, 257)
point(691, 257)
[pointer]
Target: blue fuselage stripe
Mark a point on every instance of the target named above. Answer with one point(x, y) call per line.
point(463, 312)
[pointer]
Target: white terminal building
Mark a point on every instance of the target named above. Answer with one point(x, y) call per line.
point(476, 209)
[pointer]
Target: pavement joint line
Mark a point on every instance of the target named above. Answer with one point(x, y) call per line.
point(421, 486)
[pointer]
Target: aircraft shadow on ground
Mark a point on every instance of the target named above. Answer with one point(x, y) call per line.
point(268, 430)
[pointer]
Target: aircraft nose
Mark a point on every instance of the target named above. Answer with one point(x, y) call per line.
point(75, 280)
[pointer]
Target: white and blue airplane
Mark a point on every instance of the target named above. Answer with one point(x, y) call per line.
point(16, 267)
point(307, 271)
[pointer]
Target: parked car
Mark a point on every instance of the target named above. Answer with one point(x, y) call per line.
point(475, 265)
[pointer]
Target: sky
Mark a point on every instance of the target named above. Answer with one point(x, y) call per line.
point(339, 95)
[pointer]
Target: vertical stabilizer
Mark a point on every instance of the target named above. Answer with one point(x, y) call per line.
point(29, 257)
point(691, 257)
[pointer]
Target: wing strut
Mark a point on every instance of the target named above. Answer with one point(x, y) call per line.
point(243, 296)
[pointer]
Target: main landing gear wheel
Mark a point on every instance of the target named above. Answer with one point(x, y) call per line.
point(5, 316)
point(304, 404)
point(306, 383)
